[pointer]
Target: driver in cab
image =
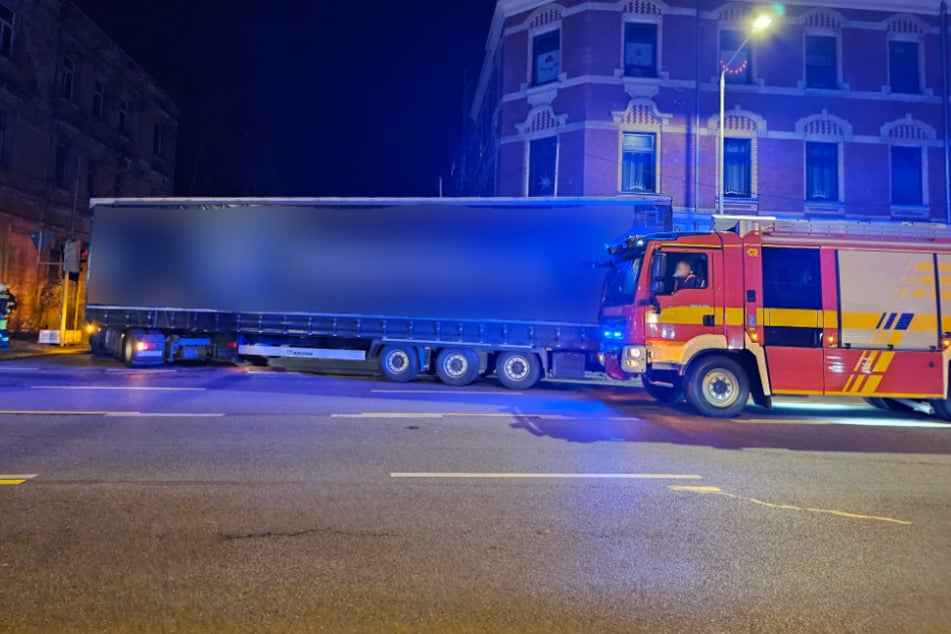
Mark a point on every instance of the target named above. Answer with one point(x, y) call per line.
point(684, 277)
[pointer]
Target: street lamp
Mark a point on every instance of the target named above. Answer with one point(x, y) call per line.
point(760, 24)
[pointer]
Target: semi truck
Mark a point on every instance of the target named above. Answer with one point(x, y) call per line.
point(784, 307)
point(456, 287)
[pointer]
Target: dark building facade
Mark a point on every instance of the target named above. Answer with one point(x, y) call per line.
point(78, 119)
point(837, 110)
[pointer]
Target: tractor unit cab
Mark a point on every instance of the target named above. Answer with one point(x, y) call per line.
point(761, 307)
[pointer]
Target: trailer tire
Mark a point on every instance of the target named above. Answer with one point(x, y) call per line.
point(399, 363)
point(518, 370)
point(457, 366)
point(128, 349)
point(717, 386)
point(662, 393)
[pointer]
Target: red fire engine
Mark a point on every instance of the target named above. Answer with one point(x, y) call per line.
point(763, 307)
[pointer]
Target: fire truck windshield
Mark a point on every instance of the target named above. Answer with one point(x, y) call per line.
point(622, 280)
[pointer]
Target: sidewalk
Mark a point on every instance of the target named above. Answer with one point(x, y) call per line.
point(28, 349)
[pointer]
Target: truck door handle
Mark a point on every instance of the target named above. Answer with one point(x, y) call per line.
point(709, 321)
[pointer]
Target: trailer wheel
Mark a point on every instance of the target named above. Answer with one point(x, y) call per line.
point(399, 364)
point(457, 366)
point(518, 370)
point(718, 387)
point(666, 392)
point(128, 348)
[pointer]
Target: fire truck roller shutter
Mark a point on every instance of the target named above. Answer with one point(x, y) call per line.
point(888, 300)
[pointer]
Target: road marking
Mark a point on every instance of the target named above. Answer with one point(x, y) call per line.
point(684, 487)
point(582, 476)
point(167, 414)
point(788, 507)
point(14, 480)
point(7, 369)
point(118, 388)
point(465, 392)
point(35, 412)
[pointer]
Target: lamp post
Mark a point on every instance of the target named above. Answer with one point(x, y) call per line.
point(760, 24)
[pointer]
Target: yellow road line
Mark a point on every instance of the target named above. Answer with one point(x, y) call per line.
point(790, 507)
point(15, 480)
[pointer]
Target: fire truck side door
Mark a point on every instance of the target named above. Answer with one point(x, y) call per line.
point(688, 304)
point(792, 319)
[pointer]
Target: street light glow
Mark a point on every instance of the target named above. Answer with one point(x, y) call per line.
point(761, 23)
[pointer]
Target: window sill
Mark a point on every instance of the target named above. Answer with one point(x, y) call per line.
point(911, 212)
point(824, 208)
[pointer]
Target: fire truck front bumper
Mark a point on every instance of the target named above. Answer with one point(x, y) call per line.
point(621, 364)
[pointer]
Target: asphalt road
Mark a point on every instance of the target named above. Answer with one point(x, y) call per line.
point(226, 499)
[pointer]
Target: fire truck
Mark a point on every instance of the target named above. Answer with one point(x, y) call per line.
point(762, 307)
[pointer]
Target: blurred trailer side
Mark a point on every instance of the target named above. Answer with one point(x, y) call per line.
point(455, 286)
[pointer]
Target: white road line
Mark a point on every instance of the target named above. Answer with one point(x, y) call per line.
point(6, 369)
point(165, 415)
point(583, 476)
point(118, 388)
point(464, 392)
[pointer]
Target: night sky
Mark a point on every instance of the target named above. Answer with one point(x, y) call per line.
point(308, 97)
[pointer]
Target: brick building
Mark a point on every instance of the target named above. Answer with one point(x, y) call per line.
point(78, 119)
point(835, 111)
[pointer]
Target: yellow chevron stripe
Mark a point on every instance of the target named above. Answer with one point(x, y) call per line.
point(884, 361)
point(872, 384)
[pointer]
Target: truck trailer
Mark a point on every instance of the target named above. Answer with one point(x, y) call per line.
point(784, 307)
point(458, 287)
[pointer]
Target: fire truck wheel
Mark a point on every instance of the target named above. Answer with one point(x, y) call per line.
point(942, 408)
point(399, 363)
point(457, 366)
point(664, 391)
point(518, 370)
point(718, 387)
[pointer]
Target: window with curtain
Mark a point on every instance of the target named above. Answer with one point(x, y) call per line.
point(546, 57)
point(542, 164)
point(640, 50)
point(738, 168)
point(822, 172)
point(822, 69)
point(907, 176)
point(903, 69)
point(639, 162)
